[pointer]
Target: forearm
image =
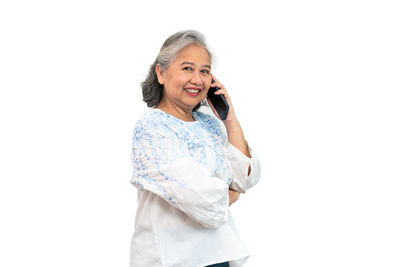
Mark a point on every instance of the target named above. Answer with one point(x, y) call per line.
point(236, 136)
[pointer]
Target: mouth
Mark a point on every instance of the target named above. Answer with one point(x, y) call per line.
point(193, 91)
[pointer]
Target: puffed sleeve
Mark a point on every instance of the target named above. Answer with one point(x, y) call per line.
point(240, 164)
point(162, 165)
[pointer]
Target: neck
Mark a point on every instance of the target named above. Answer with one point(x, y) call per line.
point(184, 114)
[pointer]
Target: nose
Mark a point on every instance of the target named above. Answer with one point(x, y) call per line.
point(196, 79)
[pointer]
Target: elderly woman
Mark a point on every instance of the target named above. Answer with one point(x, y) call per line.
point(188, 167)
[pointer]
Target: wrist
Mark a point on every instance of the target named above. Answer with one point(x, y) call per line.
point(231, 123)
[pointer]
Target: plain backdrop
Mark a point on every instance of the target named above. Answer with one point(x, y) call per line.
point(315, 85)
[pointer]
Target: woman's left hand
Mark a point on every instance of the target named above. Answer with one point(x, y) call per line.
point(233, 196)
point(231, 117)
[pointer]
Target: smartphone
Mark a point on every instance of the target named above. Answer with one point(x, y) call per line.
point(219, 102)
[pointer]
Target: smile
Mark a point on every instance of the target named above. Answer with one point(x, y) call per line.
point(192, 91)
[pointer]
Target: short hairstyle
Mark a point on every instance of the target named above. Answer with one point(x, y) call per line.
point(152, 90)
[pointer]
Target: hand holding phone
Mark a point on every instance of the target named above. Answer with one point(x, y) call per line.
point(218, 101)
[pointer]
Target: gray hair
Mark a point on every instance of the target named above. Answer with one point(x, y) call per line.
point(152, 90)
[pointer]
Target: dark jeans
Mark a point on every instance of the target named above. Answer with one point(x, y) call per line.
point(222, 264)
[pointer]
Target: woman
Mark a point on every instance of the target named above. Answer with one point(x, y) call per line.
point(187, 170)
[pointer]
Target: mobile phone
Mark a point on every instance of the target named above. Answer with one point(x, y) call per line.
point(219, 102)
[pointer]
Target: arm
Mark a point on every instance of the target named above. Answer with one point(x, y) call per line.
point(236, 137)
point(232, 125)
point(162, 166)
point(240, 164)
point(244, 162)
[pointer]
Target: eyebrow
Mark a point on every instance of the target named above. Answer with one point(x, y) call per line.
point(191, 63)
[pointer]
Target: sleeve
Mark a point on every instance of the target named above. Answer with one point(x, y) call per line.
point(240, 163)
point(162, 165)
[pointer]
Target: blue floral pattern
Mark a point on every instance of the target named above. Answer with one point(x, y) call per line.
point(159, 139)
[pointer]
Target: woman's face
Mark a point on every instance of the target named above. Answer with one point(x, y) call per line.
point(187, 79)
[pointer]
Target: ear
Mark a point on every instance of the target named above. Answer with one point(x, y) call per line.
point(160, 74)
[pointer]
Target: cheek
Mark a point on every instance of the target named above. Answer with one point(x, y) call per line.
point(174, 81)
point(180, 81)
point(207, 81)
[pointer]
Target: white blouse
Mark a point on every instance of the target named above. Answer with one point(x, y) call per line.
point(183, 171)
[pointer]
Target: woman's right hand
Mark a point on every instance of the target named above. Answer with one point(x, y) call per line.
point(233, 196)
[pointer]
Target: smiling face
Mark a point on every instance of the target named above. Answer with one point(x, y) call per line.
point(187, 79)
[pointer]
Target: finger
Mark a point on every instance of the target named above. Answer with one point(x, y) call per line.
point(221, 91)
point(216, 82)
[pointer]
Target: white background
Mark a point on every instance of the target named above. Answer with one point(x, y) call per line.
point(315, 85)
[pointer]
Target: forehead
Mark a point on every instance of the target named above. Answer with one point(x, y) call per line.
point(193, 53)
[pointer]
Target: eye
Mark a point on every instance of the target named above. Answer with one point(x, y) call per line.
point(187, 68)
point(205, 71)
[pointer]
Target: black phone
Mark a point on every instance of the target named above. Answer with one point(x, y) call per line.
point(219, 102)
